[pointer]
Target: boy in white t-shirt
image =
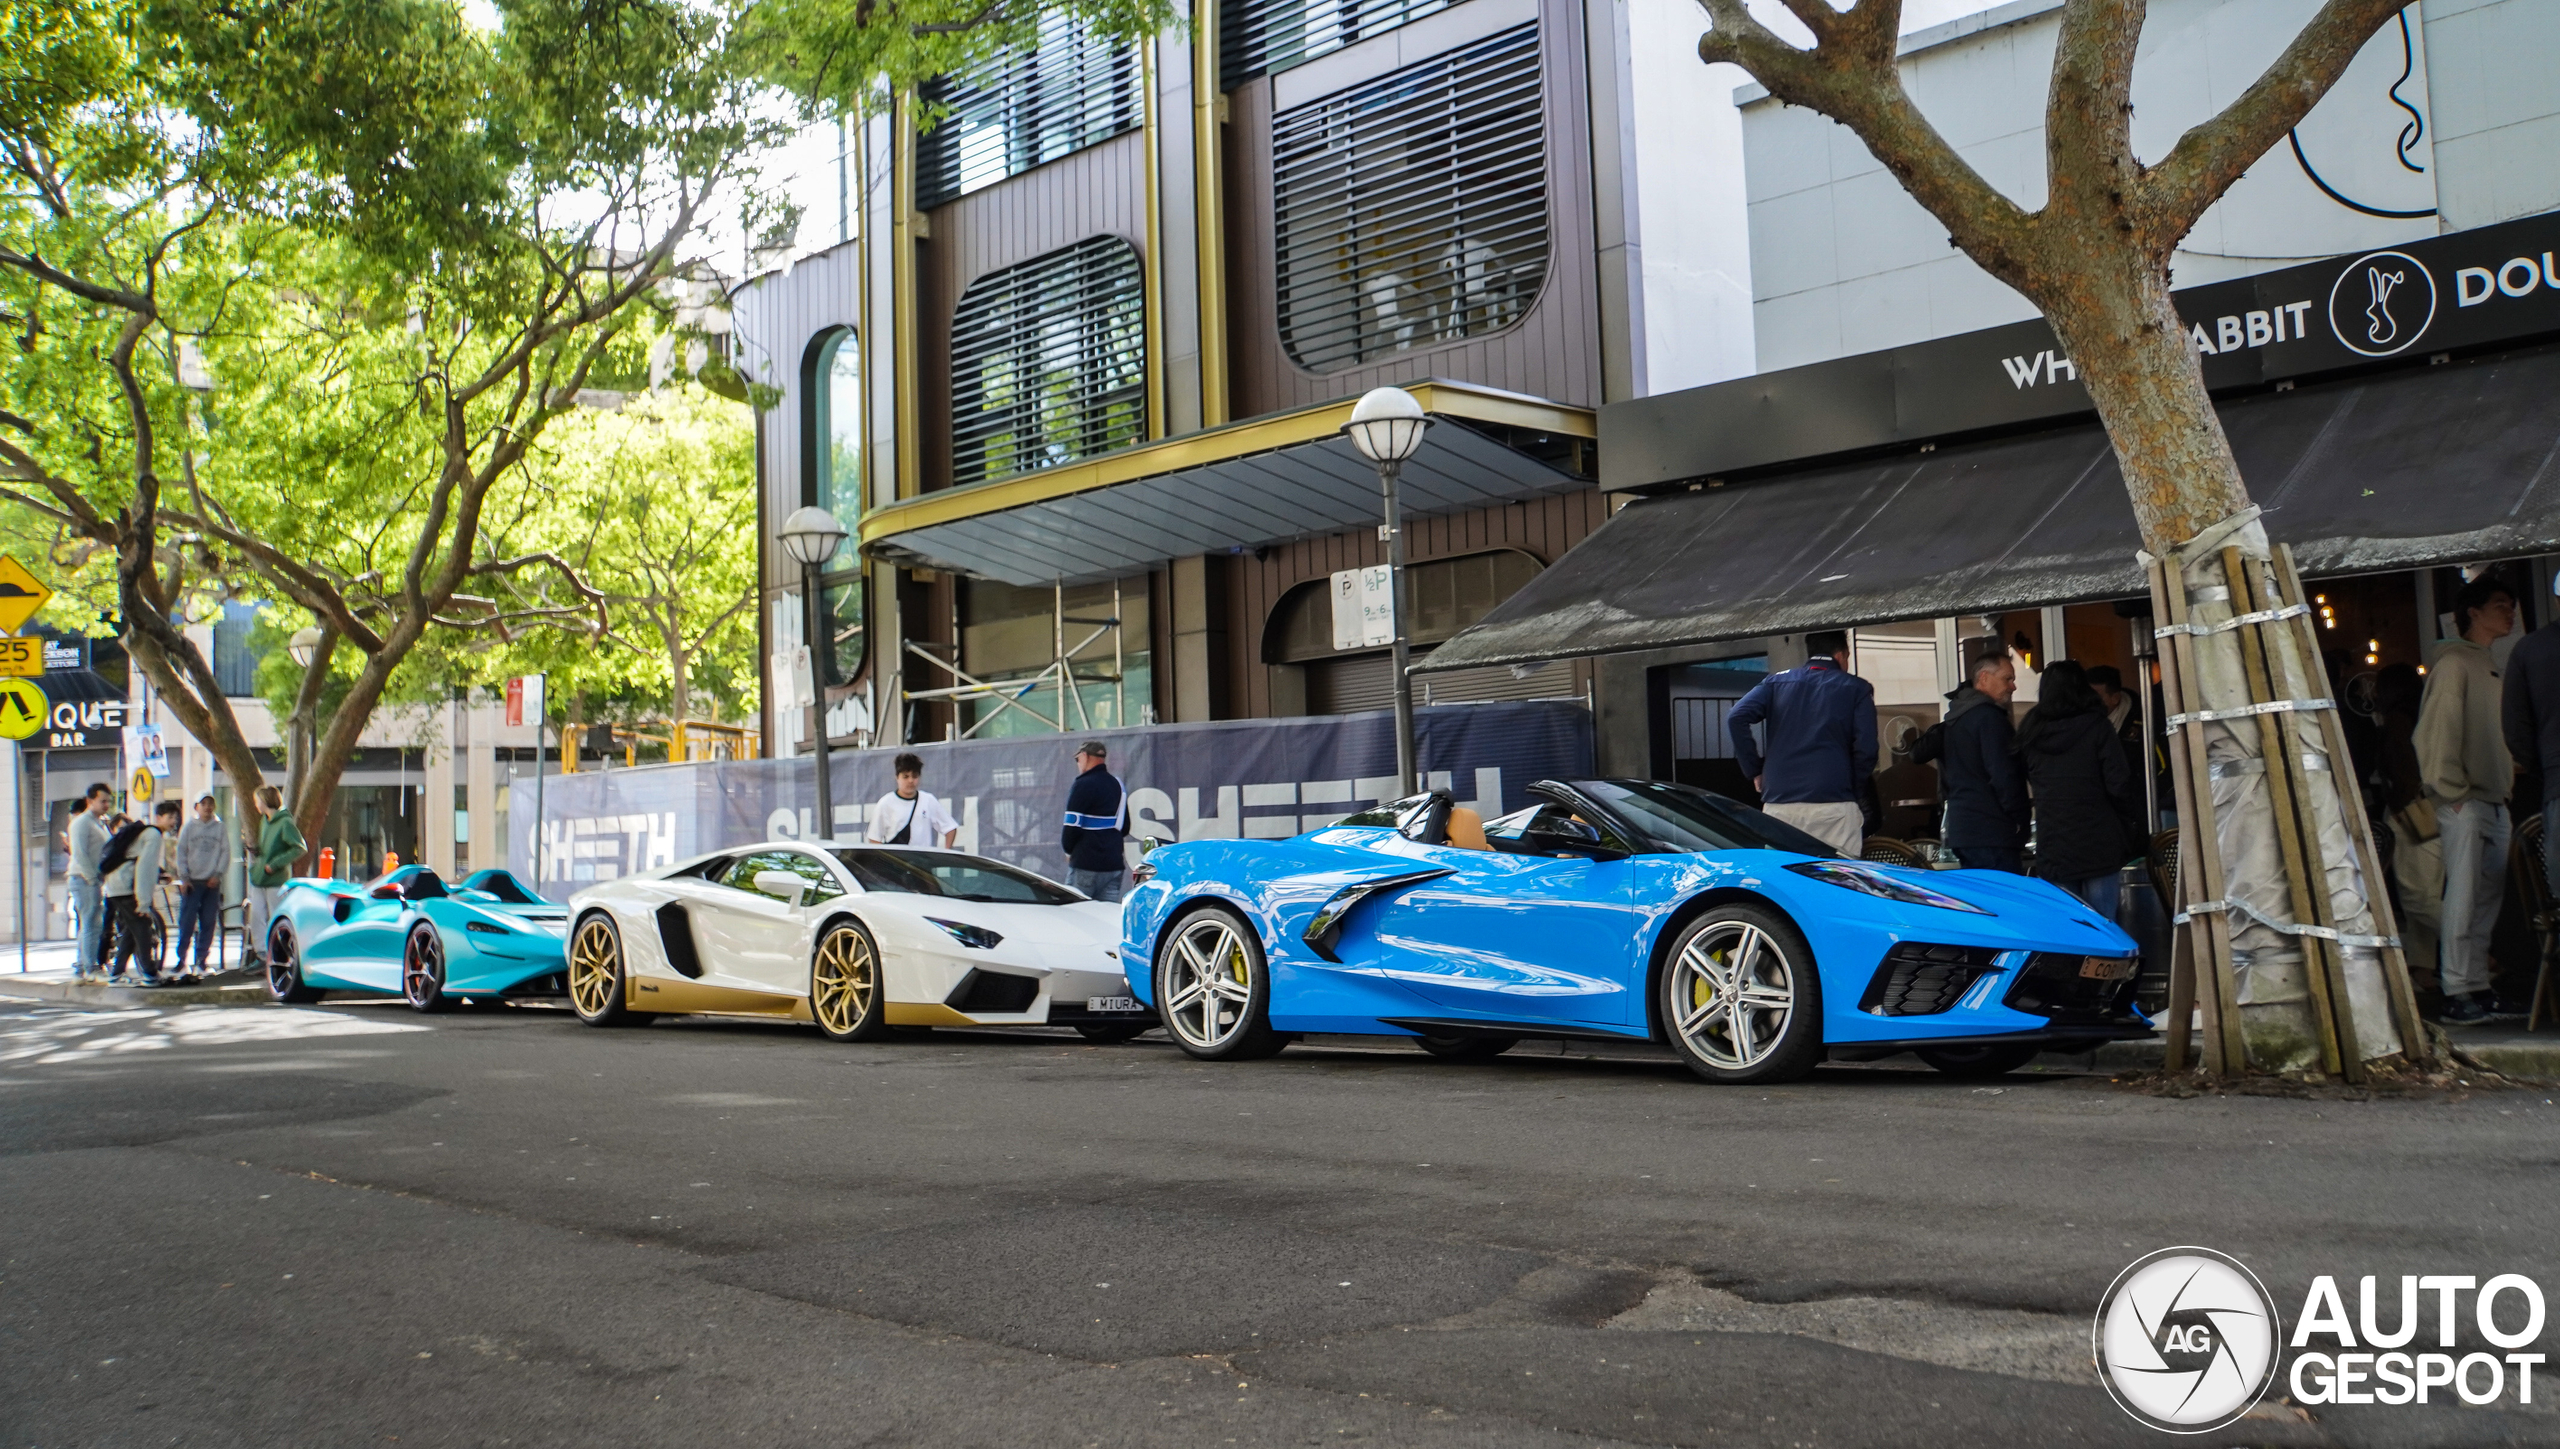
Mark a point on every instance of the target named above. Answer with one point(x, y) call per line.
point(909, 816)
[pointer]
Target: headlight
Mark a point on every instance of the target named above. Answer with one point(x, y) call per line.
point(483, 928)
point(1851, 876)
point(975, 937)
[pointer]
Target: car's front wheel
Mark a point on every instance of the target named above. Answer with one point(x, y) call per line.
point(1213, 988)
point(598, 985)
point(422, 970)
point(1986, 1059)
point(844, 984)
point(284, 967)
point(1740, 1000)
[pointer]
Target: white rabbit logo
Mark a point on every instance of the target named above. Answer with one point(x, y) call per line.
point(2382, 303)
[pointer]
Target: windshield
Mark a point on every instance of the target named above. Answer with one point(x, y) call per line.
point(960, 877)
point(502, 885)
point(1685, 818)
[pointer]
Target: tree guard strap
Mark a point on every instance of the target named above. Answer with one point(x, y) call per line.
point(2288, 928)
point(2256, 765)
point(2263, 616)
point(2247, 711)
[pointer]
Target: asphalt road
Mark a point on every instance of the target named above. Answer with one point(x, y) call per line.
point(351, 1226)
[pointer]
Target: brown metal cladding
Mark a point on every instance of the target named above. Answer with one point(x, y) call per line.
point(1540, 527)
point(1553, 353)
point(1098, 191)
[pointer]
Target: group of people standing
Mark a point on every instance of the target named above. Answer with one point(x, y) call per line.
point(2071, 768)
point(118, 864)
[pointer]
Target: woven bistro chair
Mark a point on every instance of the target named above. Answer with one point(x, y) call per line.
point(2164, 871)
point(1885, 850)
point(2533, 887)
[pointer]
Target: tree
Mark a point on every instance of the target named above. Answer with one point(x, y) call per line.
point(400, 247)
point(649, 502)
point(2095, 259)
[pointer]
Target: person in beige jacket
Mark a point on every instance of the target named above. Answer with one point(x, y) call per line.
point(2462, 752)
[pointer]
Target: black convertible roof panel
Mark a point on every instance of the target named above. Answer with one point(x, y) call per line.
point(2430, 466)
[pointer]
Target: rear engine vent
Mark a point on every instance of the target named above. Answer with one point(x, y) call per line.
point(989, 993)
point(1923, 980)
point(2086, 988)
point(675, 932)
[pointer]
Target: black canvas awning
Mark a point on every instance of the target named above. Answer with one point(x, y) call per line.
point(2435, 465)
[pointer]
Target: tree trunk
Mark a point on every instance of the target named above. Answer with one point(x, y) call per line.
point(2134, 356)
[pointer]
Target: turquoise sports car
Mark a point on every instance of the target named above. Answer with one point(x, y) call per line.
point(410, 934)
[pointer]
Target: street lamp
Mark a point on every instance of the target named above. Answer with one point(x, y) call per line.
point(811, 536)
point(1386, 426)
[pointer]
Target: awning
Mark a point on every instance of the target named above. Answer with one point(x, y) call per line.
point(1269, 480)
point(2436, 465)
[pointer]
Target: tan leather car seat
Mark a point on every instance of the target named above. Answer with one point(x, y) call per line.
point(1466, 830)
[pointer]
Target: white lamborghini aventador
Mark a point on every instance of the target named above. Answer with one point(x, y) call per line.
point(857, 938)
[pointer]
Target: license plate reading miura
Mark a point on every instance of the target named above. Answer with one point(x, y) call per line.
point(1112, 1003)
point(2107, 968)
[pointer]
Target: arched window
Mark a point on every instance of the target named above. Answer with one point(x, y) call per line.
point(1443, 597)
point(831, 476)
point(1049, 362)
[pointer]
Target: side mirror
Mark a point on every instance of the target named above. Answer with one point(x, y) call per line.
point(788, 885)
point(388, 891)
point(1147, 845)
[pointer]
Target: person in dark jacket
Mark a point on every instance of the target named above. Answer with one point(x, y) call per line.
point(1097, 823)
point(2530, 710)
point(1822, 744)
point(2108, 683)
point(1978, 772)
point(2088, 801)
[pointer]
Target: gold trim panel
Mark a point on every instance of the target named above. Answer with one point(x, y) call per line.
point(922, 1013)
point(653, 993)
point(1215, 445)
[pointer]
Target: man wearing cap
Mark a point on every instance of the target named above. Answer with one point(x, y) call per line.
point(1097, 823)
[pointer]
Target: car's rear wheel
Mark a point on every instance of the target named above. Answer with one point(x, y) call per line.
point(1740, 1001)
point(1213, 988)
point(599, 985)
point(844, 984)
point(1465, 1046)
point(1986, 1059)
point(422, 970)
point(284, 967)
point(1110, 1033)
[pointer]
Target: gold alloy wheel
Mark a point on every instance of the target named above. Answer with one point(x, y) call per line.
point(595, 968)
point(844, 982)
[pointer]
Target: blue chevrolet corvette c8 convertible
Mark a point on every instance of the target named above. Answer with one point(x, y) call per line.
point(1618, 909)
point(411, 935)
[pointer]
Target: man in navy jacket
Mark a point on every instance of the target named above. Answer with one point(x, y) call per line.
point(1979, 774)
point(1097, 823)
point(1822, 743)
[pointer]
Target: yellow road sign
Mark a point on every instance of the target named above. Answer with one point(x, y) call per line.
point(21, 656)
point(144, 783)
point(22, 708)
point(21, 594)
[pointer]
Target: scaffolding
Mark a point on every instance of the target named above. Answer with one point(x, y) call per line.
point(1072, 712)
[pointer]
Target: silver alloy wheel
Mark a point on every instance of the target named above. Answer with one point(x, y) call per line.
point(1732, 993)
point(1208, 993)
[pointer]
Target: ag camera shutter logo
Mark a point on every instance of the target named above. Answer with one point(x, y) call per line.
point(2185, 1339)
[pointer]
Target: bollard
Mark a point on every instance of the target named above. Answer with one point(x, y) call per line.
point(328, 862)
point(390, 861)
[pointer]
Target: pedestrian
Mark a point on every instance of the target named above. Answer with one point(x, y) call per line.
point(1821, 725)
point(2108, 683)
point(133, 859)
point(2417, 846)
point(88, 834)
point(2531, 712)
point(2462, 753)
point(2087, 800)
point(1097, 823)
point(280, 845)
point(909, 815)
point(204, 858)
point(1978, 774)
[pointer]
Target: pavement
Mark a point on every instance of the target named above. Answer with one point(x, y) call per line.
point(355, 1225)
